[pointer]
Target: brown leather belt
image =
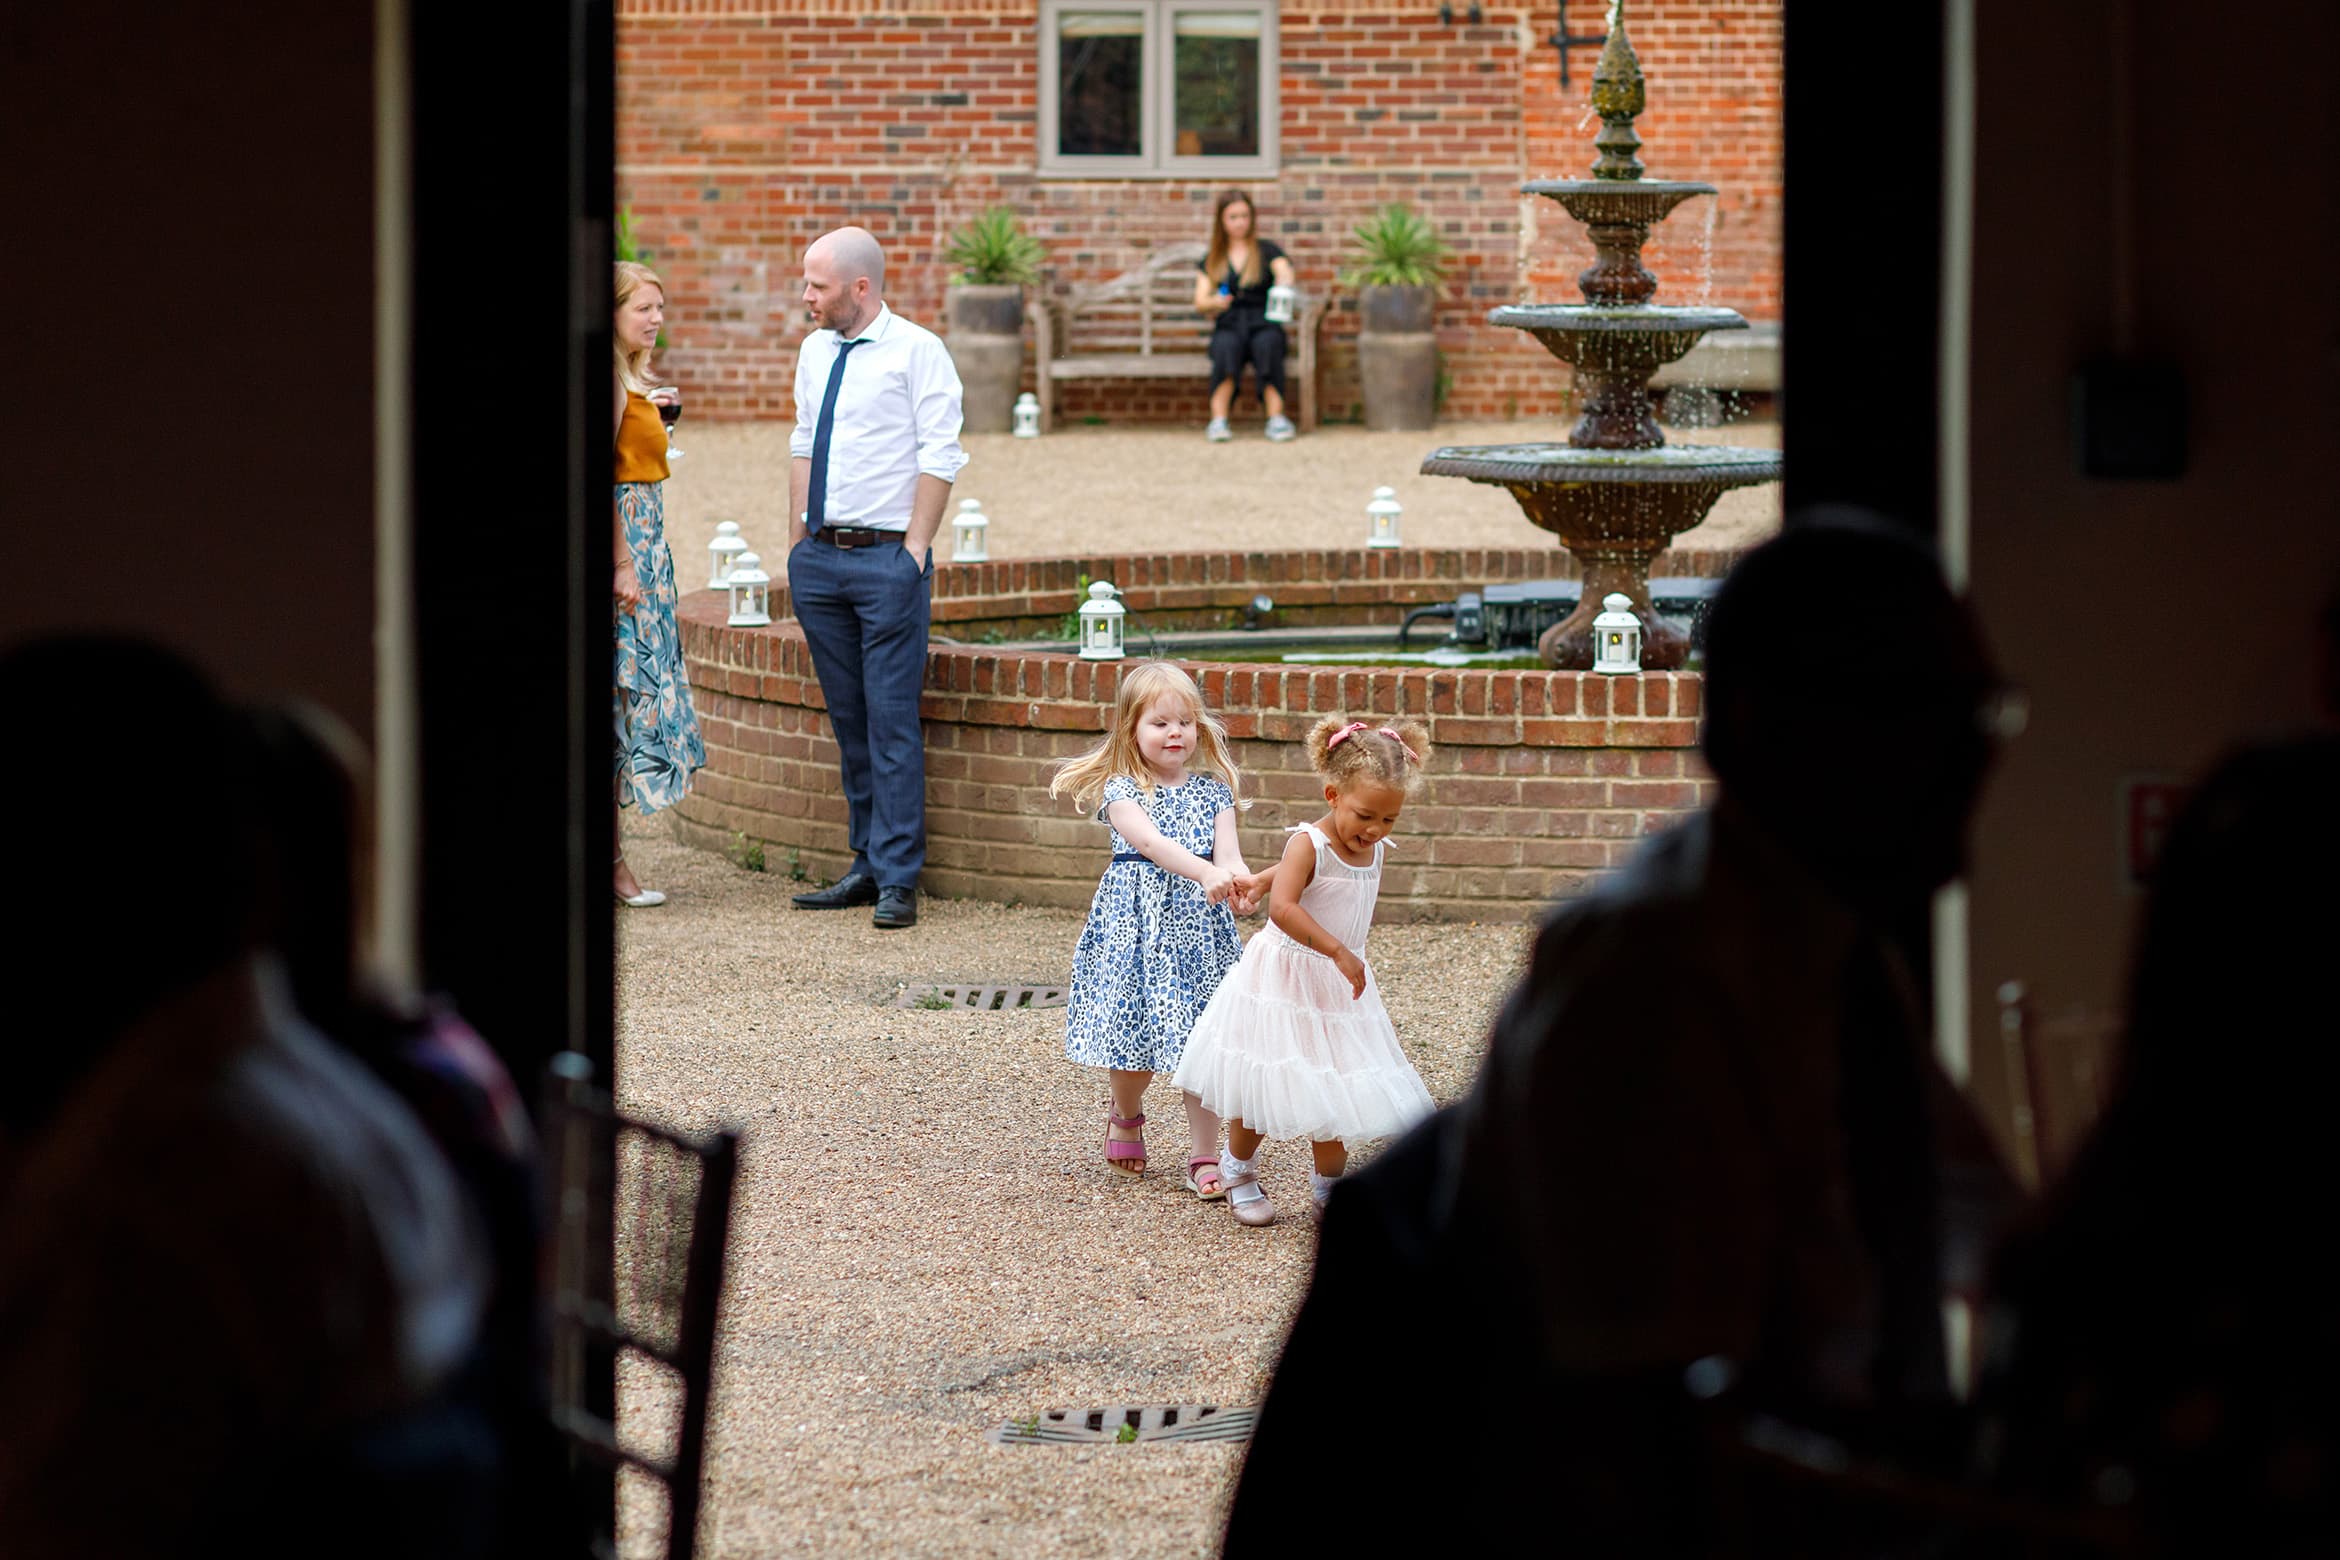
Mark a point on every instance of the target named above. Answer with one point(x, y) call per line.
point(855, 536)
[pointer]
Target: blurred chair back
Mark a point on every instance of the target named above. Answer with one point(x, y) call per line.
point(2058, 1061)
point(660, 1202)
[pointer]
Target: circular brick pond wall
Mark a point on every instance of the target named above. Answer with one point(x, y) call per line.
point(1541, 780)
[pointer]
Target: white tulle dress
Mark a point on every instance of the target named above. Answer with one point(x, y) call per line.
point(1283, 1044)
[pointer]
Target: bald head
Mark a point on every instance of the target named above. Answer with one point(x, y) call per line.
point(844, 279)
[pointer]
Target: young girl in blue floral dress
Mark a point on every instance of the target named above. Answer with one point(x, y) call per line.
point(1161, 930)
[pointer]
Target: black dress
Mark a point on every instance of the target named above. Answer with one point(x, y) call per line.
point(1244, 333)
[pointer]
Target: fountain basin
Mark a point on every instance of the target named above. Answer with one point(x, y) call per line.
point(1719, 466)
point(1626, 342)
point(1615, 510)
point(1640, 202)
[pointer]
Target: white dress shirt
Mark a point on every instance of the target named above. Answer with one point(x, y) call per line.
point(897, 419)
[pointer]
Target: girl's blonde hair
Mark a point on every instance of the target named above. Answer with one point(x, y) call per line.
point(633, 368)
point(1084, 777)
point(1344, 752)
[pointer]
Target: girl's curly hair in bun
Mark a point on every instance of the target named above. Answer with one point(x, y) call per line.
point(1345, 751)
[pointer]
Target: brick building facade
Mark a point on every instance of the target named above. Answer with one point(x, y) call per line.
point(747, 127)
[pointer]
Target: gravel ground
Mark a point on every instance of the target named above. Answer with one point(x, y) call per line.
point(1155, 488)
point(926, 1242)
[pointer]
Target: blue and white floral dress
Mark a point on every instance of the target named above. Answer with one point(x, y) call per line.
point(1154, 949)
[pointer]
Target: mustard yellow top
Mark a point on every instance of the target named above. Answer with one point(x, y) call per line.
point(641, 442)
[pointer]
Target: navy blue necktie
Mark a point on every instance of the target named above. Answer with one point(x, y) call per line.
point(816, 499)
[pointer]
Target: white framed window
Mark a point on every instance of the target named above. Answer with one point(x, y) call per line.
point(1178, 87)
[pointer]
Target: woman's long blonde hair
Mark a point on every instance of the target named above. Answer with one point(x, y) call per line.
point(633, 368)
point(1084, 777)
point(1215, 262)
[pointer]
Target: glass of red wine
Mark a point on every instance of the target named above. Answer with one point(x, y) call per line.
point(668, 399)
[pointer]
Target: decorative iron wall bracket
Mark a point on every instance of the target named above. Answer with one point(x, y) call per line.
point(1564, 40)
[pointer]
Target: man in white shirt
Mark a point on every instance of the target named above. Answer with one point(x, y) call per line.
point(876, 449)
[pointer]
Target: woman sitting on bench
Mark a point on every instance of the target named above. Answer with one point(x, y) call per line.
point(1231, 288)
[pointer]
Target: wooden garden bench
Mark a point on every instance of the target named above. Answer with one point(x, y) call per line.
point(1142, 325)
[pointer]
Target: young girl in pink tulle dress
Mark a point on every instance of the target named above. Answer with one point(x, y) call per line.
point(1295, 1042)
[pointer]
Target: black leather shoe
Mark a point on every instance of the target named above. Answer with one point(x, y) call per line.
point(854, 888)
point(896, 908)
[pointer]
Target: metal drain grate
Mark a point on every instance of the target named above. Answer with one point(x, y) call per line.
point(992, 997)
point(1094, 1426)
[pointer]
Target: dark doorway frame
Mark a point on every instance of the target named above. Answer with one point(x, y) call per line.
point(510, 314)
point(1860, 395)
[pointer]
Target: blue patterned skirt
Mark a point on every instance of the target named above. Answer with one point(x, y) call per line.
point(658, 742)
point(1153, 952)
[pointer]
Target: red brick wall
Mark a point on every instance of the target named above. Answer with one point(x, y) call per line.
point(747, 127)
point(1541, 782)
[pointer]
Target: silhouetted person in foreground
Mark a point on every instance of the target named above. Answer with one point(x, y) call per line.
point(2161, 1336)
point(1708, 1123)
point(236, 1278)
point(313, 794)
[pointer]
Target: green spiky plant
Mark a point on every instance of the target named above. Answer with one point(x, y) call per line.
point(995, 251)
point(1396, 247)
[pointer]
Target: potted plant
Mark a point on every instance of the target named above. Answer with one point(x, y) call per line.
point(1398, 262)
point(992, 260)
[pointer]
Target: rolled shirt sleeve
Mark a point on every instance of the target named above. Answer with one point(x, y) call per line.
point(800, 439)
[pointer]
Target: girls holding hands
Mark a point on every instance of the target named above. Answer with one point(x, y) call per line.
point(1296, 1043)
point(1161, 931)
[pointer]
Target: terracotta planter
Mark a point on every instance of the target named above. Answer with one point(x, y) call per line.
point(1397, 356)
point(986, 340)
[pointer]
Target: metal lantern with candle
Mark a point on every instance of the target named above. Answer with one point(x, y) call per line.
point(1027, 416)
point(723, 553)
point(1382, 518)
point(967, 532)
point(1616, 635)
point(1101, 620)
point(1281, 301)
point(751, 592)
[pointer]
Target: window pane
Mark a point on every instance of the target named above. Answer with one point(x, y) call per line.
point(1100, 84)
point(1216, 102)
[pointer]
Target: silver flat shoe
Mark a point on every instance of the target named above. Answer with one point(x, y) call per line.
point(643, 900)
point(1256, 1211)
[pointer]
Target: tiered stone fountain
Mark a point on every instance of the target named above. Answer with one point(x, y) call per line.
point(1616, 492)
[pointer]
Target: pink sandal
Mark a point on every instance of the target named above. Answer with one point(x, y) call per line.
point(1200, 1166)
point(1119, 1151)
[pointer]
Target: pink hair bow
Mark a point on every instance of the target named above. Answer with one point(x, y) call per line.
point(1355, 726)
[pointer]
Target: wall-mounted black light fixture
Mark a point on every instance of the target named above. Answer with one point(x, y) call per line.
point(1564, 40)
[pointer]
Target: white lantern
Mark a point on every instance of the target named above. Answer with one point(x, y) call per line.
point(1027, 416)
point(1101, 617)
point(723, 553)
point(1616, 635)
point(967, 545)
point(1382, 518)
point(1280, 302)
point(751, 592)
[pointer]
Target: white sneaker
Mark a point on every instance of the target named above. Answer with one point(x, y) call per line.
point(1218, 432)
point(1280, 428)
